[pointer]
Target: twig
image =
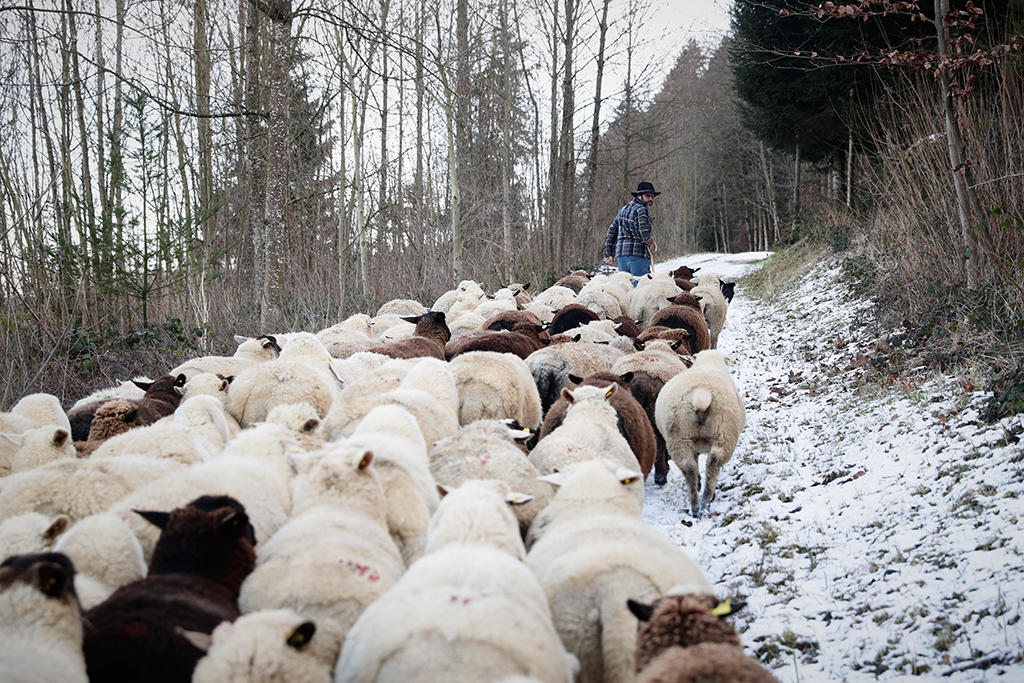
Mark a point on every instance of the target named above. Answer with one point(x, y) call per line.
point(975, 664)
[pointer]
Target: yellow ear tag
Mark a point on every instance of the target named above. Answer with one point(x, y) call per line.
point(723, 608)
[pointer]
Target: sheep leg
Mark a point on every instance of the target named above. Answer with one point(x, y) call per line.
point(661, 463)
point(715, 462)
point(691, 472)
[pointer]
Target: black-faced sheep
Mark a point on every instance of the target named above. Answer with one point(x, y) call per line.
point(633, 422)
point(204, 553)
point(700, 411)
point(684, 640)
point(40, 626)
point(429, 338)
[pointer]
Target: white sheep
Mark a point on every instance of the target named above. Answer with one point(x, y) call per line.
point(41, 410)
point(226, 366)
point(488, 449)
point(206, 384)
point(206, 416)
point(596, 331)
point(41, 445)
point(488, 307)
point(392, 434)
point(589, 431)
point(402, 307)
point(541, 310)
point(656, 359)
point(348, 370)
point(263, 348)
point(268, 646)
point(552, 365)
point(713, 303)
point(31, 532)
point(495, 386)
point(600, 301)
point(650, 295)
point(464, 323)
point(257, 390)
point(106, 554)
point(466, 291)
point(342, 342)
point(302, 421)
point(700, 411)
point(427, 391)
point(592, 552)
point(556, 297)
point(448, 617)
point(390, 327)
point(164, 440)
point(40, 623)
point(335, 555)
point(377, 378)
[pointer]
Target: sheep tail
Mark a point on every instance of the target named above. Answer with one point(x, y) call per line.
point(618, 637)
point(701, 401)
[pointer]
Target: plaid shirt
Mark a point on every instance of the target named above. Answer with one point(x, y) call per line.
point(628, 232)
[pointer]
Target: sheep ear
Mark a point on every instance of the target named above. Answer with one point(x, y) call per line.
point(516, 498)
point(301, 636)
point(59, 437)
point(55, 529)
point(577, 337)
point(229, 379)
point(365, 460)
point(627, 476)
point(694, 270)
point(671, 299)
point(180, 380)
point(52, 578)
point(611, 390)
point(157, 519)
point(17, 440)
point(555, 478)
point(567, 395)
point(142, 385)
point(225, 383)
point(311, 424)
point(639, 345)
point(197, 639)
point(640, 610)
point(545, 326)
point(240, 339)
point(130, 416)
point(575, 379)
point(675, 344)
point(627, 377)
point(442, 490)
point(411, 318)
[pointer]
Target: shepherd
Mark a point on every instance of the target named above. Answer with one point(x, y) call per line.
point(629, 239)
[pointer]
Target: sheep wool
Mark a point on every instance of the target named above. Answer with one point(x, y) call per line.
point(264, 647)
point(700, 411)
point(477, 513)
point(591, 561)
point(106, 555)
point(42, 445)
point(257, 390)
point(650, 295)
point(40, 626)
point(709, 293)
point(31, 532)
point(495, 386)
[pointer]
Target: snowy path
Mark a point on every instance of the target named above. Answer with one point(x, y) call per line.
point(874, 533)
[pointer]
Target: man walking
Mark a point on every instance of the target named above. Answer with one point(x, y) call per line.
point(629, 236)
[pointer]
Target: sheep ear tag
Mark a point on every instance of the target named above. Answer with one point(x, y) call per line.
point(723, 608)
point(157, 519)
point(302, 634)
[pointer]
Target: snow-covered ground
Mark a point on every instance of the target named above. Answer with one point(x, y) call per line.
point(875, 532)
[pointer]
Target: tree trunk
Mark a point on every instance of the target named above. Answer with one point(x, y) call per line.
point(89, 264)
point(201, 70)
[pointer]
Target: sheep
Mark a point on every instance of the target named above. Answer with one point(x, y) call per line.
point(402, 307)
point(257, 390)
point(596, 331)
point(335, 555)
point(262, 348)
point(403, 468)
point(253, 469)
point(40, 626)
point(590, 430)
point(522, 340)
point(467, 290)
point(41, 445)
point(551, 366)
point(464, 323)
point(506, 320)
point(700, 411)
point(684, 640)
point(427, 391)
point(106, 554)
point(489, 449)
point(603, 303)
point(207, 384)
point(570, 317)
point(263, 647)
point(161, 397)
point(684, 272)
point(80, 487)
point(446, 619)
point(687, 318)
point(591, 552)
point(225, 366)
point(633, 422)
point(555, 297)
point(204, 553)
point(166, 440)
point(627, 327)
point(341, 342)
point(379, 377)
point(490, 307)
point(712, 301)
point(110, 419)
point(357, 322)
point(543, 312)
point(31, 532)
point(40, 410)
point(205, 416)
point(493, 386)
point(80, 415)
point(429, 337)
point(575, 281)
point(302, 421)
point(649, 296)
point(348, 370)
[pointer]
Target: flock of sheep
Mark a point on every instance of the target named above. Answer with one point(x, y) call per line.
point(451, 494)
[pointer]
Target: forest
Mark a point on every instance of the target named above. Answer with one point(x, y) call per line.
point(176, 173)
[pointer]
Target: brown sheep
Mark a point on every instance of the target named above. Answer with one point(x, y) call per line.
point(428, 340)
point(111, 418)
point(506, 320)
point(683, 640)
point(522, 341)
point(682, 317)
point(627, 327)
point(633, 421)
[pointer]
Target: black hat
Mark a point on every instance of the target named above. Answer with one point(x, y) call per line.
point(645, 188)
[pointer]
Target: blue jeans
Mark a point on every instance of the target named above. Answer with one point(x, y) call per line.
point(635, 265)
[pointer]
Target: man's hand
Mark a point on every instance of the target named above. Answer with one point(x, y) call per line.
point(652, 245)
point(609, 260)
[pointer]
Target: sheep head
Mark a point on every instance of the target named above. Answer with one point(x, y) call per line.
point(679, 620)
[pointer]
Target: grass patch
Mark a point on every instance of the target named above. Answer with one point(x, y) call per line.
point(783, 270)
